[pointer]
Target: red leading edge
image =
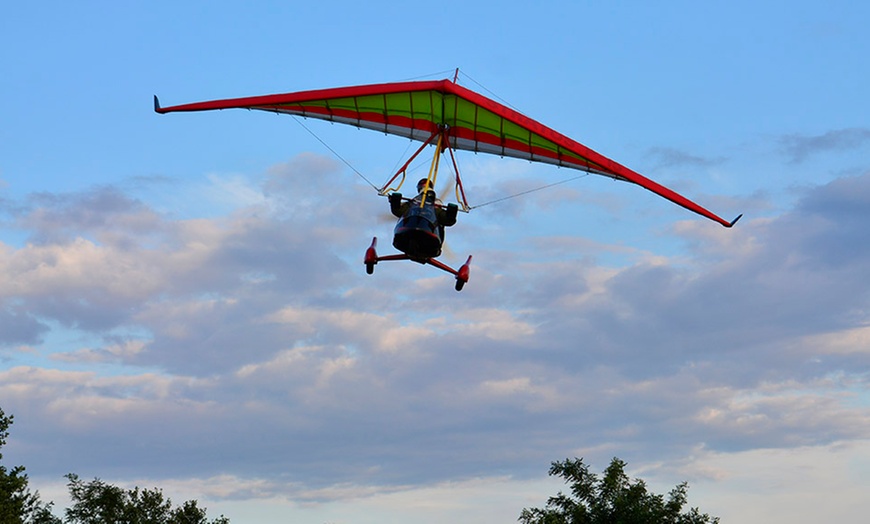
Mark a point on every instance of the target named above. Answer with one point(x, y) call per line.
point(468, 121)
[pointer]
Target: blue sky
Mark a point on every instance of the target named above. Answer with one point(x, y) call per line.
point(183, 302)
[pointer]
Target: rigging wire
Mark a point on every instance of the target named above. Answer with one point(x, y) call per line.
point(522, 193)
point(334, 152)
point(500, 99)
point(403, 155)
point(430, 75)
point(414, 168)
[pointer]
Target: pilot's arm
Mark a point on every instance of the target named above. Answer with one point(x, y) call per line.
point(447, 214)
point(397, 207)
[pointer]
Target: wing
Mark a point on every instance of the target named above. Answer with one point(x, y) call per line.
point(416, 110)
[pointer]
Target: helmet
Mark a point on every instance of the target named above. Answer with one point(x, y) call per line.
point(422, 184)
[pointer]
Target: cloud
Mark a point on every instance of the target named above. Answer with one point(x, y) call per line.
point(116, 352)
point(104, 212)
point(19, 327)
point(781, 485)
point(666, 157)
point(252, 346)
point(800, 147)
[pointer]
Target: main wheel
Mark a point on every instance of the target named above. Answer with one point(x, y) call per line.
point(370, 267)
point(459, 284)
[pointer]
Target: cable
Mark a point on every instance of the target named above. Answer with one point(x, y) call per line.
point(483, 87)
point(376, 188)
point(348, 164)
point(430, 75)
point(529, 191)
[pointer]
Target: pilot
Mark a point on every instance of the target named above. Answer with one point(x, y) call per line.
point(446, 216)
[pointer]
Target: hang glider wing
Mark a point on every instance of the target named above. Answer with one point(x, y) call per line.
point(476, 123)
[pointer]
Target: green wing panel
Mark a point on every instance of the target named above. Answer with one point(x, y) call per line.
point(469, 120)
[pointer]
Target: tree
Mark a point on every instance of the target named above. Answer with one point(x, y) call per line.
point(94, 502)
point(611, 499)
point(18, 505)
point(97, 502)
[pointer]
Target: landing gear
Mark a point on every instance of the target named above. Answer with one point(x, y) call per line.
point(462, 274)
point(372, 258)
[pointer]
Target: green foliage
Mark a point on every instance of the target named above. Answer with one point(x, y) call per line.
point(94, 502)
point(18, 505)
point(97, 502)
point(611, 499)
point(13, 483)
point(42, 515)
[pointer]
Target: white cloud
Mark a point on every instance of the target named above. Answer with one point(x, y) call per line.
point(845, 342)
point(120, 351)
point(312, 381)
point(800, 484)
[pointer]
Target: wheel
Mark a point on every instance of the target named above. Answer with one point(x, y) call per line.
point(459, 284)
point(370, 267)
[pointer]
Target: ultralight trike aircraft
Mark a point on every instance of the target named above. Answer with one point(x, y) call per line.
point(450, 117)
